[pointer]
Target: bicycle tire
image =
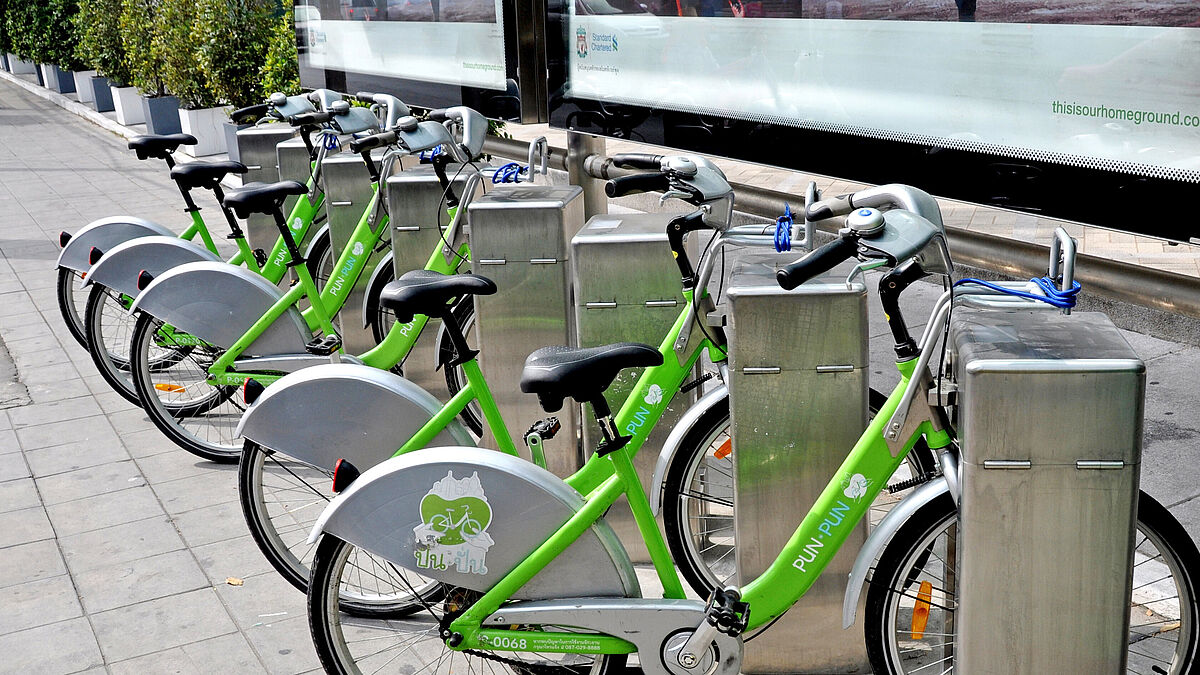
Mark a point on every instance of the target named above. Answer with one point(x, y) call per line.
point(699, 574)
point(109, 328)
point(325, 617)
point(918, 536)
point(207, 409)
point(72, 303)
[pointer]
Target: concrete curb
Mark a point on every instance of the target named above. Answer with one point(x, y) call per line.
point(70, 106)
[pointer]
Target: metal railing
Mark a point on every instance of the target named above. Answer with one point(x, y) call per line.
point(1124, 282)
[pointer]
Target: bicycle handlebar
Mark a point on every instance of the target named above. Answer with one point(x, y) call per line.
point(637, 183)
point(251, 113)
point(829, 208)
point(312, 119)
point(373, 141)
point(638, 160)
point(818, 262)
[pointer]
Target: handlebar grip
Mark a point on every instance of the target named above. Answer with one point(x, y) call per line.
point(818, 262)
point(636, 183)
point(829, 208)
point(366, 96)
point(311, 119)
point(251, 113)
point(638, 160)
point(373, 141)
point(438, 115)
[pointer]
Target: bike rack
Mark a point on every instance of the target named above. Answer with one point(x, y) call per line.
point(256, 147)
point(798, 382)
point(1049, 417)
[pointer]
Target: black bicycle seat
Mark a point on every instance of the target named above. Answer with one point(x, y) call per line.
point(159, 146)
point(262, 197)
point(428, 292)
point(581, 373)
point(205, 175)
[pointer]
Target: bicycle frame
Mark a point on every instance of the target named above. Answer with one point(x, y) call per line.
point(843, 503)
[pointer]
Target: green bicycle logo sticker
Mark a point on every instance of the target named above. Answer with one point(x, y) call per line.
point(455, 515)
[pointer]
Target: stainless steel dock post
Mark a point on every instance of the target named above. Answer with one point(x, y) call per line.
point(257, 148)
point(1050, 422)
point(627, 289)
point(348, 192)
point(798, 400)
point(520, 236)
point(416, 212)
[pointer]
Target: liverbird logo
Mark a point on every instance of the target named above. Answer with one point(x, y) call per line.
point(581, 42)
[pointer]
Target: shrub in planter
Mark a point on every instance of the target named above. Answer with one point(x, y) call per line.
point(281, 72)
point(139, 27)
point(180, 47)
point(20, 25)
point(233, 37)
point(99, 46)
point(59, 40)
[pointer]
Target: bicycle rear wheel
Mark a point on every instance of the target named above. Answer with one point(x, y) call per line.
point(109, 327)
point(72, 302)
point(281, 500)
point(198, 416)
point(1163, 636)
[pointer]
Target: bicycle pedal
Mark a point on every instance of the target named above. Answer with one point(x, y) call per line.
point(260, 256)
point(324, 346)
point(544, 429)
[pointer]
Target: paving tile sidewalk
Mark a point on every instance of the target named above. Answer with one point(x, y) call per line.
point(115, 546)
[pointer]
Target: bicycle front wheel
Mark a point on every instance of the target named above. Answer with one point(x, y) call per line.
point(916, 568)
point(698, 513)
point(196, 415)
point(412, 644)
point(109, 327)
point(281, 499)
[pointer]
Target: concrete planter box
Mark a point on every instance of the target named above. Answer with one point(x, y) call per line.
point(162, 114)
point(40, 71)
point(231, 142)
point(205, 124)
point(17, 66)
point(101, 93)
point(83, 85)
point(4, 61)
point(57, 79)
point(128, 104)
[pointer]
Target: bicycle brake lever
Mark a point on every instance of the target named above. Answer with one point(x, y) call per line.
point(673, 194)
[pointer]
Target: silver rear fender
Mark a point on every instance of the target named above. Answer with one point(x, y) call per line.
point(321, 414)
point(218, 303)
point(105, 234)
point(120, 266)
point(494, 510)
point(879, 539)
point(672, 445)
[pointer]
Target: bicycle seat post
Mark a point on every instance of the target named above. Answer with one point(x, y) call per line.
point(462, 351)
point(235, 230)
point(297, 258)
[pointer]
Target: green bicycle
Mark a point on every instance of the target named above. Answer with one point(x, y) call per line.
point(288, 468)
point(244, 329)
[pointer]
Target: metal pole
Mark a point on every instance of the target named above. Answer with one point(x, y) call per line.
point(579, 148)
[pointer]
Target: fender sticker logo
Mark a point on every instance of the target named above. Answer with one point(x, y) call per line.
point(455, 515)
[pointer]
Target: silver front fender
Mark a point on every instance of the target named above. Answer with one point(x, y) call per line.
point(332, 411)
point(218, 303)
point(879, 539)
point(120, 266)
point(384, 266)
point(672, 445)
point(105, 234)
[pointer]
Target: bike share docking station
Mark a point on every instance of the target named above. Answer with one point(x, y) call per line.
point(257, 148)
point(798, 385)
point(627, 290)
point(520, 238)
point(418, 219)
point(1049, 417)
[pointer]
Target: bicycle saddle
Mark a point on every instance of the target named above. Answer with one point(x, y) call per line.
point(261, 197)
point(159, 146)
point(205, 174)
point(428, 292)
point(581, 373)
